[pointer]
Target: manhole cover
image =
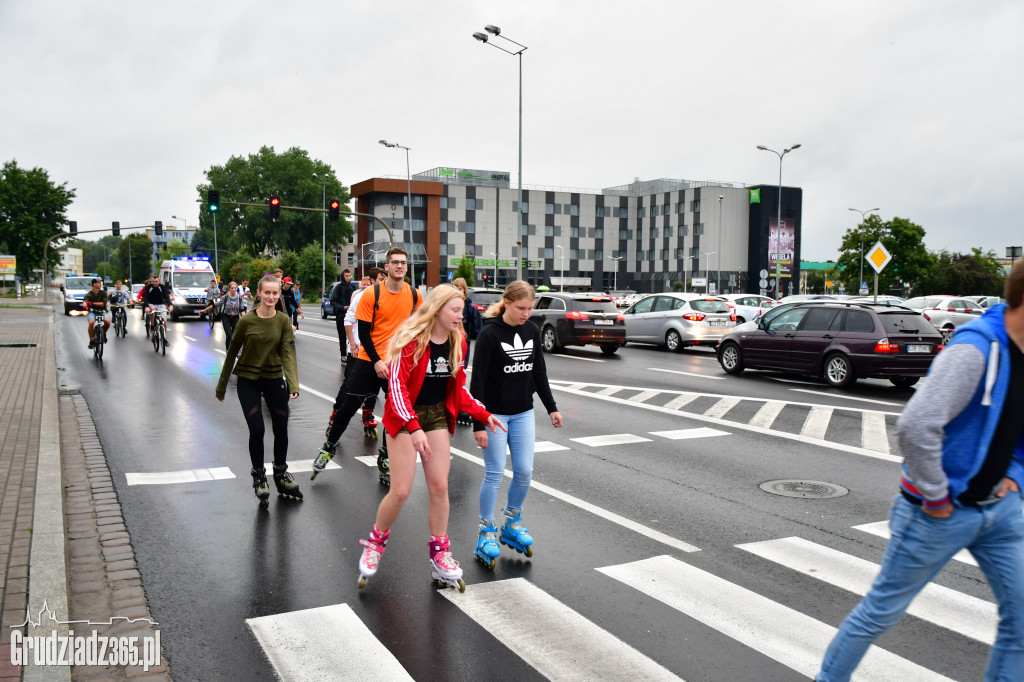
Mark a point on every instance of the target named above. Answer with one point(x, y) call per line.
point(793, 488)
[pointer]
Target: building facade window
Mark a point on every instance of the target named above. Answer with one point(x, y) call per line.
point(654, 211)
point(599, 211)
point(622, 212)
point(444, 225)
point(574, 254)
point(695, 205)
point(694, 252)
point(470, 226)
point(574, 231)
point(698, 229)
point(665, 209)
point(681, 207)
point(680, 252)
point(444, 202)
point(664, 254)
point(667, 231)
point(654, 232)
point(574, 209)
point(470, 204)
point(526, 206)
point(598, 233)
point(417, 200)
point(548, 253)
point(639, 212)
point(549, 209)
point(443, 250)
point(549, 230)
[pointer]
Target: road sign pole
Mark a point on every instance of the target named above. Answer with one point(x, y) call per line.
point(876, 288)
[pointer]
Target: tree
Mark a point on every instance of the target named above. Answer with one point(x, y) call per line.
point(32, 209)
point(258, 267)
point(465, 271)
point(289, 176)
point(133, 255)
point(965, 274)
point(288, 261)
point(910, 262)
point(309, 268)
point(111, 270)
point(173, 249)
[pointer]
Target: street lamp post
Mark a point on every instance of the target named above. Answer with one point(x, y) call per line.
point(718, 276)
point(707, 269)
point(778, 220)
point(484, 38)
point(863, 217)
point(323, 238)
point(615, 276)
point(495, 254)
point(408, 175)
point(561, 261)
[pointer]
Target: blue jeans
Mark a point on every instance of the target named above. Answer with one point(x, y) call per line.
point(519, 441)
point(920, 546)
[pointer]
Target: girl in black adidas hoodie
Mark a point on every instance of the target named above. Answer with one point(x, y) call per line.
point(508, 367)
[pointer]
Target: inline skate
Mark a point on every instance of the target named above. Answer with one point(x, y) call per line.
point(444, 569)
point(369, 424)
point(286, 485)
point(513, 534)
point(487, 548)
point(325, 455)
point(260, 487)
point(383, 468)
point(370, 559)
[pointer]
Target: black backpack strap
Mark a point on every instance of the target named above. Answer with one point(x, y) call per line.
point(376, 302)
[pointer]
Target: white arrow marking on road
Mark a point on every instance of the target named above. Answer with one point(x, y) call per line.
point(881, 529)
point(187, 476)
point(558, 642)
point(961, 613)
point(302, 645)
point(779, 632)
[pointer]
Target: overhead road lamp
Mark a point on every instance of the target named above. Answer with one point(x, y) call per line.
point(778, 220)
point(485, 38)
point(863, 217)
point(408, 175)
point(615, 276)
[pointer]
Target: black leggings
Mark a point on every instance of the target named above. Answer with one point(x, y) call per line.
point(229, 322)
point(275, 392)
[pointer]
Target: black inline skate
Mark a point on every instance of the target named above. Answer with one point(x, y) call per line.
point(382, 467)
point(260, 487)
point(286, 485)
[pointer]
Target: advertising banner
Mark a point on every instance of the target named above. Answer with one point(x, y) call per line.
point(8, 264)
point(781, 250)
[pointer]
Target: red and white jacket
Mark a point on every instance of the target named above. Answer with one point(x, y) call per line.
point(405, 379)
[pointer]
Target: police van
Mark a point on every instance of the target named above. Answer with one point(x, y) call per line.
point(189, 278)
point(75, 288)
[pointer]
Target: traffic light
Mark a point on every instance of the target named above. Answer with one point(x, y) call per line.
point(158, 228)
point(116, 227)
point(213, 200)
point(333, 209)
point(73, 227)
point(275, 208)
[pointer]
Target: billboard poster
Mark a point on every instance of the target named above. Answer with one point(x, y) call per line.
point(8, 264)
point(781, 250)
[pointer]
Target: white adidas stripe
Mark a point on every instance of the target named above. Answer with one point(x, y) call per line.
point(558, 642)
point(961, 613)
point(779, 632)
point(303, 646)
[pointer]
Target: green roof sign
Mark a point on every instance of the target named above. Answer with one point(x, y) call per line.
point(755, 196)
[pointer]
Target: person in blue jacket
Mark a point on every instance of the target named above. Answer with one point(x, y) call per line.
point(962, 437)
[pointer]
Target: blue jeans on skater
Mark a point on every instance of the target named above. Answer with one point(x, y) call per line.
point(519, 441)
point(920, 546)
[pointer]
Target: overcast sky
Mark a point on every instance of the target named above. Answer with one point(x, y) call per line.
point(912, 106)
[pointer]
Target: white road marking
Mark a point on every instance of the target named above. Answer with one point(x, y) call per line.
point(303, 466)
point(610, 439)
point(961, 613)
point(681, 400)
point(881, 529)
point(779, 632)
point(720, 408)
point(642, 396)
point(766, 416)
point(689, 374)
point(593, 509)
point(816, 423)
point(371, 460)
point(873, 434)
point(846, 397)
point(318, 394)
point(189, 337)
point(187, 476)
point(558, 642)
point(791, 381)
point(296, 644)
point(547, 446)
point(577, 357)
point(682, 434)
point(611, 390)
point(317, 336)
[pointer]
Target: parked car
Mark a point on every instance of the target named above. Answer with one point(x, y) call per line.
point(882, 300)
point(777, 309)
point(676, 321)
point(986, 302)
point(945, 313)
point(578, 320)
point(326, 309)
point(837, 340)
point(620, 297)
point(483, 297)
point(748, 306)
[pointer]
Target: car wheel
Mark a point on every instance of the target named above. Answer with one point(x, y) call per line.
point(323, 313)
point(904, 382)
point(549, 340)
point(740, 320)
point(731, 358)
point(609, 350)
point(838, 370)
point(947, 334)
point(673, 341)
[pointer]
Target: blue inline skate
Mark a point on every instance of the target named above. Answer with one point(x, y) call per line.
point(487, 547)
point(513, 534)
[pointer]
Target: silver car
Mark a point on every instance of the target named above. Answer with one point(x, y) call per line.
point(748, 306)
point(945, 313)
point(676, 321)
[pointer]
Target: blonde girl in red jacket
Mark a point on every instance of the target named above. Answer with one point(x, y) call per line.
point(426, 390)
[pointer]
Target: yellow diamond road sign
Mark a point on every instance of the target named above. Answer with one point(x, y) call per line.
point(879, 257)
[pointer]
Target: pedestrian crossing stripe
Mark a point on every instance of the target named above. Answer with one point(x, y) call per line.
point(961, 613)
point(556, 640)
point(777, 631)
point(881, 529)
point(186, 476)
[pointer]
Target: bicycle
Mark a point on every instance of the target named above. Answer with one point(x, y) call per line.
point(159, 335)
point(211, 316)
point(99, 335)
point(145, 318)
point(120, 320)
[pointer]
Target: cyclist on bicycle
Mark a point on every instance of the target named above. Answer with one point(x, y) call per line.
point(120, 297)
point(95, 301)
point(156, 296)
point(212, 294)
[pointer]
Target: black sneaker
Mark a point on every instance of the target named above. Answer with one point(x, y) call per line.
point(92, 344)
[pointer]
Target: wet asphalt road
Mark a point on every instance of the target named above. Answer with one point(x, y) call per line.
point(210, 558)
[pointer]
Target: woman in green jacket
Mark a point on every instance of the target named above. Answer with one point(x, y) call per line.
point(266, 368)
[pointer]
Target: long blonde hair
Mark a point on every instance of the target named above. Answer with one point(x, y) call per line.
point(420, 325)
point(515, 291)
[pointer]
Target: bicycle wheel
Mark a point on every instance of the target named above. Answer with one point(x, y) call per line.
point(209, 318)
point(100, 338)
point(163, 341)
point(155, 338)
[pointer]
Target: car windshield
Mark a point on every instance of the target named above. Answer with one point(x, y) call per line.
point(904, 323)
point(485, 297)
point(710, 306)
point(599, 305)
point(192, 280)
point(78, 283)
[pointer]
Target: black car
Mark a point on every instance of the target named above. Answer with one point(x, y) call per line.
point(578, 320)
point(840, 341)
point(483, 297)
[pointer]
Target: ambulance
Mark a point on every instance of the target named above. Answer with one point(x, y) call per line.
point(189, 278)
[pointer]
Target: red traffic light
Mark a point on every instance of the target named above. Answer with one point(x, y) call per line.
point(275, 208)
point(335, 204)
point(274, 201)
point(333, 209)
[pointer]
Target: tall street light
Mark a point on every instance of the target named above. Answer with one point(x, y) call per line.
point(615, 277)
point(408, 175)
point(863, 217)
point(484, 38)
point(778, 220)
point(495, 254)
point(718, 277)
point(707, 268)
point(561, 261)
point(323, 239)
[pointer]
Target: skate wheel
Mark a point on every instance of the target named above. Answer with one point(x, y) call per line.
point(462, 586)
point(490, 566)
point(529, 552)
point(313, 475)
point(362, 581)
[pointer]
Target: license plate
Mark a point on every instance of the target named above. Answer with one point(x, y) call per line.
point(717, 323)
point(604, 322)
point(918, 348)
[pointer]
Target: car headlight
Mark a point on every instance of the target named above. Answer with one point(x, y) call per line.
point(178, 299)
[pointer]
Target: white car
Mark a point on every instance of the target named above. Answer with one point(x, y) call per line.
point(946, 313)
point(748, 306)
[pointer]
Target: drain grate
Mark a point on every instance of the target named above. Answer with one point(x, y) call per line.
point(18, 345)
point(810, 489)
